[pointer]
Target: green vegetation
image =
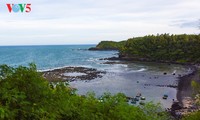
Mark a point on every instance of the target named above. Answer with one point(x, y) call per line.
point(196, 90)
point(192, 116)
point(26, 95)
point(109, 45)
point(164, 47)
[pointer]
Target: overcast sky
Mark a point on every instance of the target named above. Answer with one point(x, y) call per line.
point(90, 21)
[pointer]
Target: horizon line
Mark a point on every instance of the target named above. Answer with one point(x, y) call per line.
point(44, 45)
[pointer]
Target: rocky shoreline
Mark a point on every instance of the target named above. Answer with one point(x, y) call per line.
point(103, 49)
point(72, 73)
point(122, 58)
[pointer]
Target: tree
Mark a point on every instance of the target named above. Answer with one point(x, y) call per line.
point(25, 94)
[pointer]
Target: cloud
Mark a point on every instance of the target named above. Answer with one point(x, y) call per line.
point(90, 21)
point(188, 24)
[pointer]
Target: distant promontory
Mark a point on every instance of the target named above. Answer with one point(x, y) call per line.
point(109, 45)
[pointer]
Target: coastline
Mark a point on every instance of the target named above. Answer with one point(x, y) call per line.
point(185, 95)
point(184, 89)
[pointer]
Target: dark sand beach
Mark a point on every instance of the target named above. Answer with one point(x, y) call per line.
point(185, 89)
point(185, 94)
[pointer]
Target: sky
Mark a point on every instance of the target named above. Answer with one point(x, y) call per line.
point(57, 22)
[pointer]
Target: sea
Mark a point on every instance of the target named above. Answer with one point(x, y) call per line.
point(129, 78)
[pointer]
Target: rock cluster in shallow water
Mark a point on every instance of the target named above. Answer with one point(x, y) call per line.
point(61, 74)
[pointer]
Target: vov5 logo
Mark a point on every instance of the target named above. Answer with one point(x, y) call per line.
point(19, 8)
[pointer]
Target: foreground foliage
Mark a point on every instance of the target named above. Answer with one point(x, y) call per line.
point(25, 94)
point(164, 47)
point(192, 116)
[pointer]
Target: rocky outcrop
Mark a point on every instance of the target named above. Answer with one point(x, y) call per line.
point(82, 74)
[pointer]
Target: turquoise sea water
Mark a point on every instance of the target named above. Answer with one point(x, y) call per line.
point(50, 57)
point(129, 78)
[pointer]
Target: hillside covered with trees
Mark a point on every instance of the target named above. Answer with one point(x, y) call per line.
point(164, 47)
point(160, 48)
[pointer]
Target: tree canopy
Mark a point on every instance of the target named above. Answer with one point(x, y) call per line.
point(25, 94)
point(177, 48)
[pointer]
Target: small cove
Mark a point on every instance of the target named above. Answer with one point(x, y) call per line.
point(133, 78)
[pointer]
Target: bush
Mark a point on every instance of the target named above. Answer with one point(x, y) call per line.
point(192, 116)
point(25, 94)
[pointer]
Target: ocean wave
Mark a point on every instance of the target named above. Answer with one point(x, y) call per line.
point(51, 69)
point(140, 70)
point(92, 59)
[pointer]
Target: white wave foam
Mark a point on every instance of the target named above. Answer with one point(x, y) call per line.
point(51, 69)
point(140, 70)
point(92, 59)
